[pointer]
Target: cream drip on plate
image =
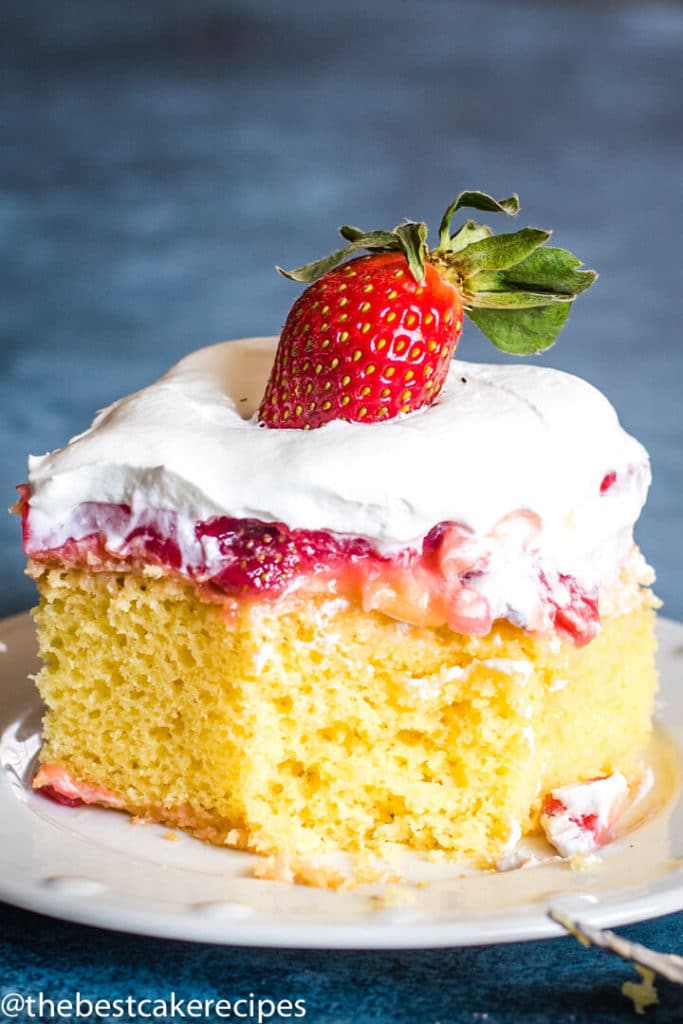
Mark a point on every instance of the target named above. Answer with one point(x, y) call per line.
point(500, 438)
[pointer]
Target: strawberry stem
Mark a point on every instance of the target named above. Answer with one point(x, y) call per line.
point(514, 287)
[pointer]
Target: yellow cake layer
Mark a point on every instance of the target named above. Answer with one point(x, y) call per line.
point(317, 727)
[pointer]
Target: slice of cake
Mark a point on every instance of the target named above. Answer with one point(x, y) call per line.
point(403, 618)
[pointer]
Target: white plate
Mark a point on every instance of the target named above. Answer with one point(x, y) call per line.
point(95, 867)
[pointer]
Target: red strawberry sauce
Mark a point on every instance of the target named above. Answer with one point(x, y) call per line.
point(56, 795)
point(233, 560)
point(608, 481)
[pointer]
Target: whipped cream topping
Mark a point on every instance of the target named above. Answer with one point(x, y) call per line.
point(499, 438)
point(580, 817)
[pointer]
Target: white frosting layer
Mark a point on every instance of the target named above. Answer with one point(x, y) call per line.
point(498, 439)
point(586, 813)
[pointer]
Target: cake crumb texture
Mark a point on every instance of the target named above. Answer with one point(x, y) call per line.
point(314, 727)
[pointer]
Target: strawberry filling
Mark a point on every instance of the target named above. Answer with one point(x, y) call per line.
point(431, 584)
point(59, 785)
point(573, 610)
point(58, 797)
point(608, 481)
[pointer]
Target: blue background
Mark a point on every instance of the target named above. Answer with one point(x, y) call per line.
point(158, 159)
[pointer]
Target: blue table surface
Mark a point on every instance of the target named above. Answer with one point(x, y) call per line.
point(158, 160)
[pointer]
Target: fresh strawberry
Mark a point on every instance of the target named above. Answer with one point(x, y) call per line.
point(365, 342)
point(374, 337)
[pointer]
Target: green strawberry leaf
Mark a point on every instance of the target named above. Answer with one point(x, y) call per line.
point(549, 269)
point(312, 271)
point(350, 233)
point(359, 240)
point(477, 201)
point(413, 237)
point(408, 238)
point(521, 332)
point(499, 251)
point(468, 233)
point(516, 299)
point(369, 239)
